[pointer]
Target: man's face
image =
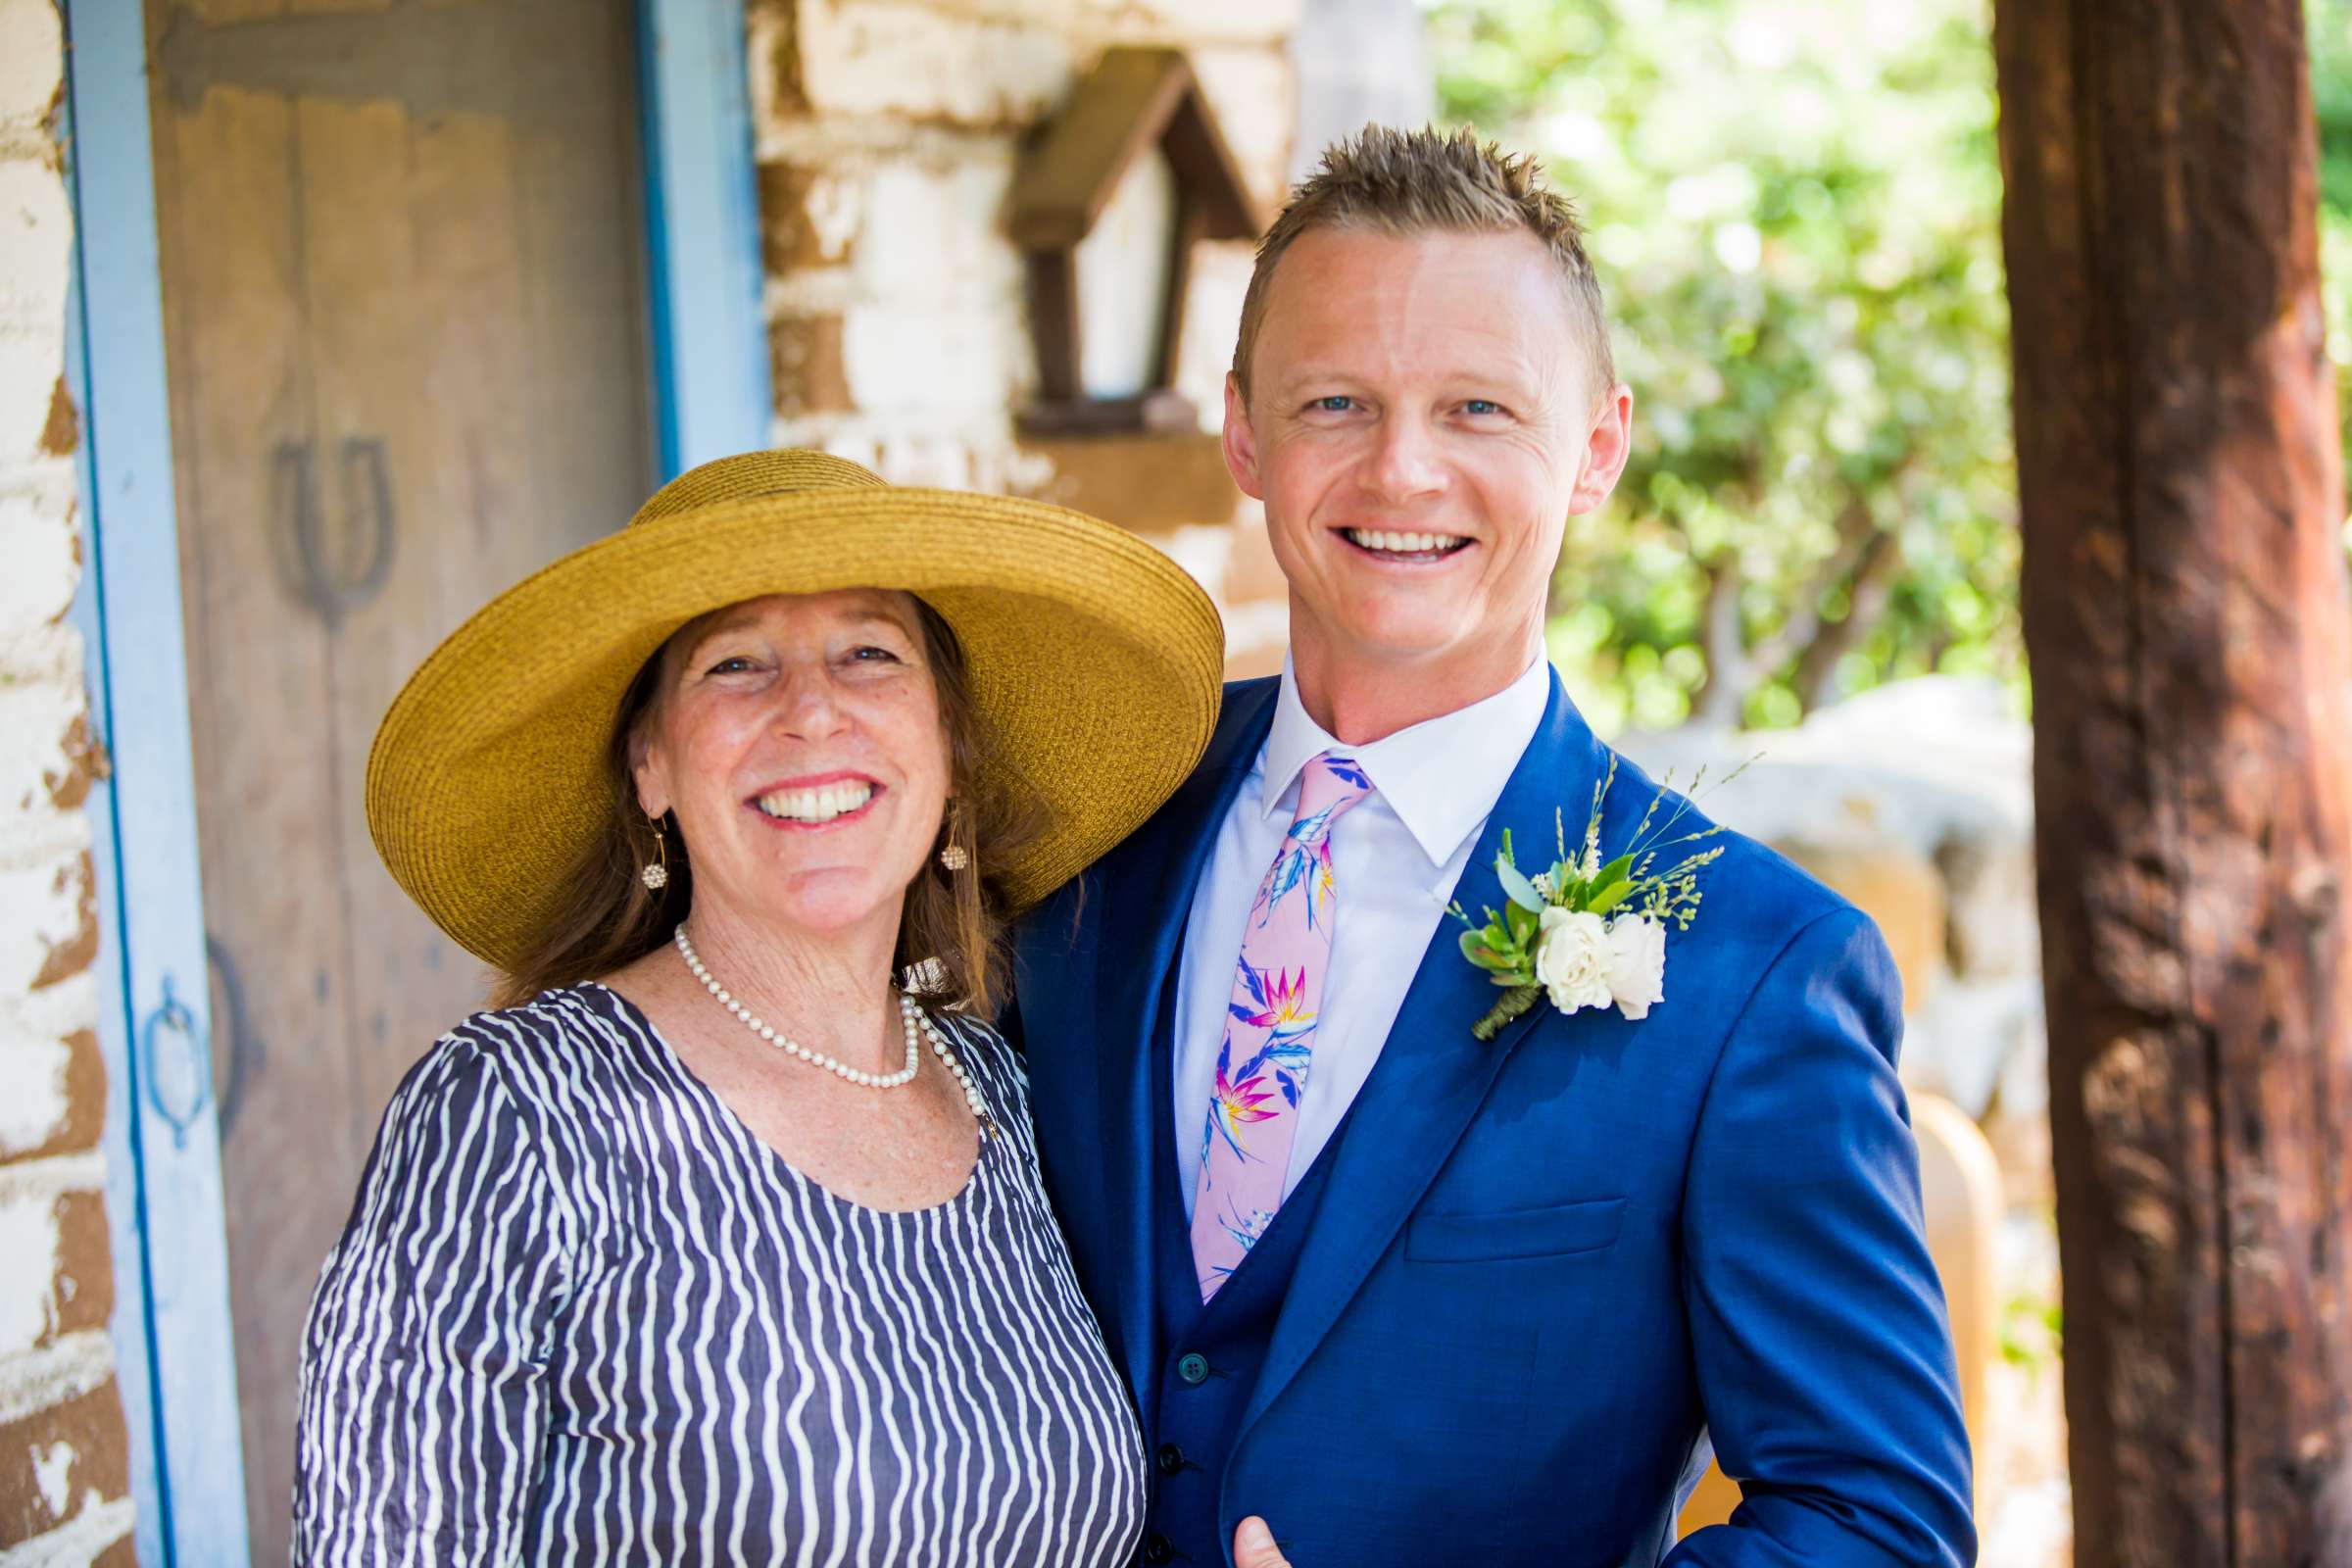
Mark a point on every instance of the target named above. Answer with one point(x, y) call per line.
point(1420, 429)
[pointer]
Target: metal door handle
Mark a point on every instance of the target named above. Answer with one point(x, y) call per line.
point(177, 1064)
point(243, 1050)
point(367, 493)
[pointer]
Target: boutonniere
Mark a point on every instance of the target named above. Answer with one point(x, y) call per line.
point(1591, 932)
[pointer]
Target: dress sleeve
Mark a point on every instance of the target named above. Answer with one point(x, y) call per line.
point(424, 1391)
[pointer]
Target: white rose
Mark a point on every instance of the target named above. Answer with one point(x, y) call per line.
point(1637, 963)
point(1572, 959)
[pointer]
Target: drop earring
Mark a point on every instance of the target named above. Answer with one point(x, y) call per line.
point(952, 854)
point(656, 877)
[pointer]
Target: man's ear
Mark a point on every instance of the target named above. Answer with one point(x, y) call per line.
point(1241, 442)
point(1609, 442)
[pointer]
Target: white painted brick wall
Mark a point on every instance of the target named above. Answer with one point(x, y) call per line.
point(53, 1358)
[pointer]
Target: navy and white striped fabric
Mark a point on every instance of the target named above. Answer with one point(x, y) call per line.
point(581, 1314)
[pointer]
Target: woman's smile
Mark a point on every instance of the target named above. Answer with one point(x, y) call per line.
point(818, 800)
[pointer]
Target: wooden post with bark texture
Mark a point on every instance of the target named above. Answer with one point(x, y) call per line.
point(2185, 614)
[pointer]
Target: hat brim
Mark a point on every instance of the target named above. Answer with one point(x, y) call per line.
point(1094, 661)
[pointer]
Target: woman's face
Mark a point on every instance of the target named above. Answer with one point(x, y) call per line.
point(799, 740)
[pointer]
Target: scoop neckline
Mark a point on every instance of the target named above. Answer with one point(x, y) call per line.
point(956, 1199)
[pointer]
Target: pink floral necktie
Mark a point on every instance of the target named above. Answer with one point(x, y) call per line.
point(1270, 1029)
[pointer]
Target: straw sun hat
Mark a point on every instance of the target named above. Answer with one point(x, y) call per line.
point(1095, 663)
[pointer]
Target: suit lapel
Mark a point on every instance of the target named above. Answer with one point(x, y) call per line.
point(1432, 1075)
point(1147, 892)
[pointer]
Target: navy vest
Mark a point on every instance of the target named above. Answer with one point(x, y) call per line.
point(1209, 1355)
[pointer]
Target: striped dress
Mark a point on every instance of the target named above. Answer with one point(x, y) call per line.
point(581, 1314)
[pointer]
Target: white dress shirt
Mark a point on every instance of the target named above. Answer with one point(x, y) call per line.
point(1396, 857)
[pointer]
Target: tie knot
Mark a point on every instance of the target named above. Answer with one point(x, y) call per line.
point(1327, 786)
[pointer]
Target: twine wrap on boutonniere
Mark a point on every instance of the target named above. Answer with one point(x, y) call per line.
point(1591, 932)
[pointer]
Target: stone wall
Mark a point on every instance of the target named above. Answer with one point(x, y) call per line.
point(63, 1467)
point(887, 133)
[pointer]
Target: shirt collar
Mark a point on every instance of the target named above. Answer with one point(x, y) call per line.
point(1441, 776)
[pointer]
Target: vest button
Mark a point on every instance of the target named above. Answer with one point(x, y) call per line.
point(1194, 1368)
point(1171, 1459)
point(1156, 1548)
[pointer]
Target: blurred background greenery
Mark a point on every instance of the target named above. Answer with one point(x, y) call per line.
point(1796, 209)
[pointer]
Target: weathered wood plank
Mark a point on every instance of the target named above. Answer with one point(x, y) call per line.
point(2185, 614)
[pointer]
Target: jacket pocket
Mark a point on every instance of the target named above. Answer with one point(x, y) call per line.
point(1584, 1227)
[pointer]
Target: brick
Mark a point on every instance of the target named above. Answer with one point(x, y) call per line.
point(889, 57)
point(1255, 98)
point(911, 361)
point(31, 61)
point(53, 1231)
point(79, 947)
point(43, 549)
point(1194, 22)
point(808, 216)
point(932, 236)
point(60, 1461)
point(35, 258)
point(46, 918)
point(771, 49)
point(84, 1287)
point(1150, 483)
point(51, 1094)
point(805, 356)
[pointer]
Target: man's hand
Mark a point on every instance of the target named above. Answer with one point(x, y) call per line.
point(1254, 1547)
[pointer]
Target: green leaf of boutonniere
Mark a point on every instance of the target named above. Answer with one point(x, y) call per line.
point(1521, 892)
point(1610, 897)
point(1476, 949)
point(1523, 925)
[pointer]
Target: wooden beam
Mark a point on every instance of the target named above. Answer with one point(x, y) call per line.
point(1053, 323)
point(2186, 614)
point(1068, 171)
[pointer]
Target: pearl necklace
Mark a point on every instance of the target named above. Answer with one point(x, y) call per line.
point(916, 1023)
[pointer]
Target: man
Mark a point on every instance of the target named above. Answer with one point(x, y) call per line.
point(1417, 1298)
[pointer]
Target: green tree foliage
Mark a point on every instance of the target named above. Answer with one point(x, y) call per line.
point(1796, 209)
point(2329, 27)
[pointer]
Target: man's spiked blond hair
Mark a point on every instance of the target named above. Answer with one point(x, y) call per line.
point(1406, 182)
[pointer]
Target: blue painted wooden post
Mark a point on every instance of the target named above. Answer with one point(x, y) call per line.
point(703, 239)
point(171, 1329)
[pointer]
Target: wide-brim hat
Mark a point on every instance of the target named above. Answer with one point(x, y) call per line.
point(1094, 663)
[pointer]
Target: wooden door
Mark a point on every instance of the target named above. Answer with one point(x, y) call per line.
point(404, 317)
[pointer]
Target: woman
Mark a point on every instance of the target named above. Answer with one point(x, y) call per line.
point(722, 1241)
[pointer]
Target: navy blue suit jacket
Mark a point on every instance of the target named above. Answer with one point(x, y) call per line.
point(1547, 1268)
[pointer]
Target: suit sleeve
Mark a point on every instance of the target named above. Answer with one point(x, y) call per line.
point(1818, 1324)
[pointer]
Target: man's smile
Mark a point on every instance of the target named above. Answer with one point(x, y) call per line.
point(1404, 548)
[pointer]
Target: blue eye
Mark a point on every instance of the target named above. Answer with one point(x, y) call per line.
point(1482, 406)
point(1332, 405)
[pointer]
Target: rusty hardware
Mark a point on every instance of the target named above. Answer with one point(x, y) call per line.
point(179, 1083)
point(367, 494)
point(242, 1051)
